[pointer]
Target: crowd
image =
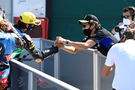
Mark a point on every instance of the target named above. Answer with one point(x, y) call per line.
point(119, 48)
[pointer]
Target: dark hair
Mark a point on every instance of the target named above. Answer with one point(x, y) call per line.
point(131, 9)
point(130, 34)
point(20, 25)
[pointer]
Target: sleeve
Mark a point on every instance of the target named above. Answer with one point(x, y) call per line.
point(35, 52)
point(85, 39)
point(19, 42)
point(98, 36)
point(110, 57)
point(30, 47)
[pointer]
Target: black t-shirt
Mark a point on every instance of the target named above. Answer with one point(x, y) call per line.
point(98, 38)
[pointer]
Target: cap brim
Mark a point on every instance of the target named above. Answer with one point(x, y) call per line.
point(83, 21)
point(38, 22)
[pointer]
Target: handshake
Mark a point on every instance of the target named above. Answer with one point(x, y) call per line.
point(59, 42)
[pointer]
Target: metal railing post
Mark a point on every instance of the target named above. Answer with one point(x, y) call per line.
point(96, 80)
point(30, 80)
point(51, 80)
point(56, 65)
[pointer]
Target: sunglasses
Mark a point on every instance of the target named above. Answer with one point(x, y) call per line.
point(83, 26)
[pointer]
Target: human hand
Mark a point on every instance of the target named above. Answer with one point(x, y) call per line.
point(60, 39)
point(59, 42)
point(59, 45)
point(132, 25)
point(5, 25)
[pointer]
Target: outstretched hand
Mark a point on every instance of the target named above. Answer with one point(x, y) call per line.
point(59, 42)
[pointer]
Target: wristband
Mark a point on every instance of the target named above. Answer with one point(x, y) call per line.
point(67, 41)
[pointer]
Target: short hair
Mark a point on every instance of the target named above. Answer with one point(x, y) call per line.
point(130, 34)
point(130, 9)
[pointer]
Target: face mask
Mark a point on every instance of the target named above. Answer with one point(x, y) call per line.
point(126, 21)
point(87, 32)
point(30, 28)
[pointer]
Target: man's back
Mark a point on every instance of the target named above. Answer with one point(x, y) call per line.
point(124, 59)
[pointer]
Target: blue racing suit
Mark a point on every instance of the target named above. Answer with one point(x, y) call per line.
point(7, 46)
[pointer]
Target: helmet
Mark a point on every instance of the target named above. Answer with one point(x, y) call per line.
point(1, 18)
point(29, 18)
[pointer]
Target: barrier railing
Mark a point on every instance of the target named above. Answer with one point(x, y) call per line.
point(53, 82)
point(82, 70)
point(96, 66)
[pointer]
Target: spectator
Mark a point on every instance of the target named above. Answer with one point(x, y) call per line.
point(128, 18)
point(96, 37)
point(122, 56)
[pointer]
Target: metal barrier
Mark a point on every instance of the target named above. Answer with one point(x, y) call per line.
point(82, 70)
point(50, 83)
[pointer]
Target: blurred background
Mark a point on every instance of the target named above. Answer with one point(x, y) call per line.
point(62, 15)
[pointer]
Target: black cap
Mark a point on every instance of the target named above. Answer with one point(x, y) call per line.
point(89, 18)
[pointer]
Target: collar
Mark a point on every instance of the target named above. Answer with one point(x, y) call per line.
point(130, 41)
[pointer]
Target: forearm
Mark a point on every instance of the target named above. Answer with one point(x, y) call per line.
point(82, 45)
point(36, 53)
point(107, 70)
point(70, 49)
point(78, 45)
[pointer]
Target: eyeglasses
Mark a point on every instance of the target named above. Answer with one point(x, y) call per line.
point(126, 16)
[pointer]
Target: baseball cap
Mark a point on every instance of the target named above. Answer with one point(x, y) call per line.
point(89, 18)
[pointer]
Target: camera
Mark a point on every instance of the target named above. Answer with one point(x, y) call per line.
point(119, 28)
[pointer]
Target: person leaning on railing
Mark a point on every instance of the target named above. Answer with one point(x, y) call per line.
point(96, 37)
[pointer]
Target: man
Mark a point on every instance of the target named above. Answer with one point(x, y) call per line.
point(8, 43)
point(128, 18)
point(122, 56)
point(28, 21)
point(96, 37)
